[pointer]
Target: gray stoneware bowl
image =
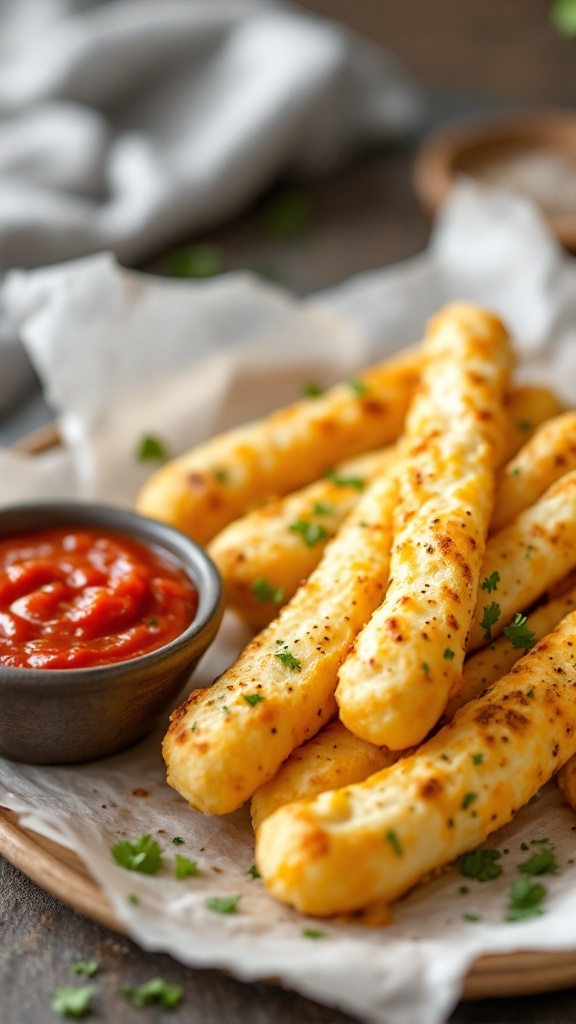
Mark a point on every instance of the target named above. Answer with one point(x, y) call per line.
point(64, 716)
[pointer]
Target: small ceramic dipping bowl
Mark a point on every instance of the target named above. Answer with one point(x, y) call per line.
point(532, 152)
point(69, 715)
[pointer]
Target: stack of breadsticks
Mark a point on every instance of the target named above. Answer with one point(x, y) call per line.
point(404, 542)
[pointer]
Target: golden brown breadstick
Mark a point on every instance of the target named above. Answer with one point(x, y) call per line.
point(527, 407)
point(397, 678)
point(374, 840)
point(525, 559)
point(264, 556)
point(226, 741)
point(336, 758)
point(210, 486)
point(547, 456)
point(490, 663)
point(331, 759)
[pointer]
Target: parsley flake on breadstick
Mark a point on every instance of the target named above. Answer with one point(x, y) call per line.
point(530, 555)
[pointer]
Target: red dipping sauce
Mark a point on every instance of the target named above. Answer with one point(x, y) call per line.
point(73, 598)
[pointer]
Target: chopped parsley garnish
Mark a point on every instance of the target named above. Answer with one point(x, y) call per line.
point(253, 699)
point(491, 582)
point(563, 16)
point(426, 668)
point(525, 426)
point(221, 476)
point(223, 904)
point(196, 261)
point(529, 551)
point(467, 800)
point(477, 758)
point(313, 933)
point(312, 389)
point(133, 899)
point(264, 591)
point(151, 447)
point(287, 214)
point(345, 481)
point(392, 838)
point(481, 865)
point(463, 890)
point(448, 654)
point(178, 841)
point(471, 917)
point(516, 472)
point(288, 659)
point(541, 863)
point(311, 533)
point(358, 387)
point(185, 868)
point(530, 693)
point(142, 854)
point(518, 634)
point(72, 1002)
point(253, 872)
point(491, 616)
point(323, 508)
point(154, 991)
point(87, 968)
point(524, 899)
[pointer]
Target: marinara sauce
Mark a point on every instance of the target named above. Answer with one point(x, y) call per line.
point(73, 598)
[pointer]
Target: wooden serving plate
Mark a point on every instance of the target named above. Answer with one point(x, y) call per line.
point(64, 875)
point(473, 146)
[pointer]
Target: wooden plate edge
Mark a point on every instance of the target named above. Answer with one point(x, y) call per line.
point(62, 873)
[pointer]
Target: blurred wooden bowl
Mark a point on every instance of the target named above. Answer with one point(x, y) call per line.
point(532, 152)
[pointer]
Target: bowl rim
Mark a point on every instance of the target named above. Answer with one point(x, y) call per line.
point(194, 640)
point(434, 172)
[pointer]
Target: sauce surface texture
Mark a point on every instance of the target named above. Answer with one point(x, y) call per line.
point(73, 598)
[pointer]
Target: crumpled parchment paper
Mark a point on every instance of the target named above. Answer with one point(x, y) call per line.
point(122, 354)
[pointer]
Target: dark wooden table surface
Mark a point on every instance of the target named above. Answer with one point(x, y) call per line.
point(472, 57)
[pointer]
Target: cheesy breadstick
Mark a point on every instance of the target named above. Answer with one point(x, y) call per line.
point(226, 741)
point(525, 559)
point(331, 759)
point(527, 407)
point(395, 682)
point(336, 758)
point(204, 490)
point(548, 455)
point(490, 663)
point(374, 840)
point(264, 556)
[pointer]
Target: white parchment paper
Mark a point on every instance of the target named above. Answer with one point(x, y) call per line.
point(122, 354)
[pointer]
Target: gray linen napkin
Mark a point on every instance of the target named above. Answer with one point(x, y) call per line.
point(126, 125)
